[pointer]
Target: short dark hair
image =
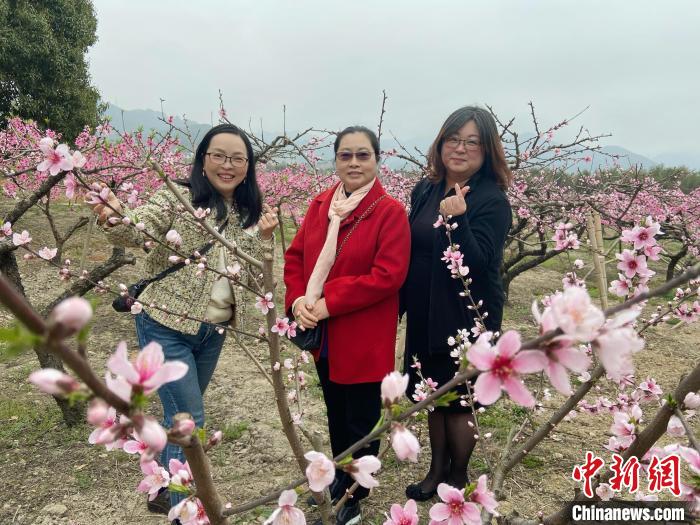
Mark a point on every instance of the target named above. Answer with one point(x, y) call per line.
point(247, 197)
point(373, 140)
point(494, 158)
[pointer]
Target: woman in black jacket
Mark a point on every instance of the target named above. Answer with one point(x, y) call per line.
point(467, 155)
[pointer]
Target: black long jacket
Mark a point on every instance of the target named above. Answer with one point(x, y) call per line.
point(481, 235)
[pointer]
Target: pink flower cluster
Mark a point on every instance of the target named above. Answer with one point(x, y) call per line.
point(565, 238)
point(634, 272)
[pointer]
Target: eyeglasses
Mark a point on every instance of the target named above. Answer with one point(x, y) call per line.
point(346, 156)
point(220, 159)
point(469, 144)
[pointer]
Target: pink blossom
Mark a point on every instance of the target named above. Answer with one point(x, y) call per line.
point(404, 443)
point(652, 252)
point(189, 511)
point(320, 471)
point(71, 314)
point(453, 510)
point(148, 370)
point(574, 313)
point(6, 230)
point(20, 239)
point(675, 427)
point(483, 496)
point(47, 253)
point(55, 160)
point(604, 492)
point(292, 330)
point(691, 400)
point(97, 412)
point(53, 382)
point(119, 386)
point(560, 352)
point(626, 422)
point(156, 478)
point(135, 445)
point(631, 264)
point(281, 326)
point(286, 513)
point(648, 390)
point(107, 431)
point(408, 515)
point(642, 236)
point(136, 308)
point(622, 286)
point(692, 457)
point(393, 388)
point(184, 427)
point(501, 366)
point(265, 304)
point(362, 468)
point(71, 185)
point(78, 159)
point(180, 472)
point(173, 238)
point(616, 344)
point(151, 433)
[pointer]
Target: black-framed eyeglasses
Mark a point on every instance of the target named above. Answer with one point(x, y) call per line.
point(469, 144)
point(346, 156)
point(220, 159)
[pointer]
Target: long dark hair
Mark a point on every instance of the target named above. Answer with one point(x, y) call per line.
point(495, 164)
point(247, 197)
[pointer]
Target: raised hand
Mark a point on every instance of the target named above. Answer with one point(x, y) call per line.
point(455, 205)
point(103, 210)
point(268, 222)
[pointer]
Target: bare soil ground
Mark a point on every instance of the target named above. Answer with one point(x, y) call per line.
point(51, 475)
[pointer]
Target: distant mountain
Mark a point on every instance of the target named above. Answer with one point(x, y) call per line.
point(627, 158)
point(689, 160)
point(130, 120)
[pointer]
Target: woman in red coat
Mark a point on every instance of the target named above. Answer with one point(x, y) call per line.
point(354, 295)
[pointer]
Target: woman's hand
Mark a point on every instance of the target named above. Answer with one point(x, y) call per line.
point(304, 314)
point(268, 222)
point(455, 205)
point(111, 209)
point(320, 309)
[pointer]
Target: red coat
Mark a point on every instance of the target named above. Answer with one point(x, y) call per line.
point(362, 289)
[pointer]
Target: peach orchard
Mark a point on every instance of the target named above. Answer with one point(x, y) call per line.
point(556, 212)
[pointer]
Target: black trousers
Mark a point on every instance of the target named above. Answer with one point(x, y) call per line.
point(353, 411)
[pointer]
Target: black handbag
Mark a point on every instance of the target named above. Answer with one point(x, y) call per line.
point(310, 339)
point(123, 303)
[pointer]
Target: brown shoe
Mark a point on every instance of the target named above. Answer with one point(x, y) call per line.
point(161, 503)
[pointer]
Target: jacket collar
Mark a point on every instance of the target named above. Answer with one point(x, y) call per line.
point(326, 197)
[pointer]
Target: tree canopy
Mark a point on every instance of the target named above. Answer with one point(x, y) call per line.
point(43, 70)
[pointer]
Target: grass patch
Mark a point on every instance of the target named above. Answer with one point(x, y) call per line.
point(532, 462)
point(25, 421)
point(234, 431)
point(500, 418)
point(83, 480)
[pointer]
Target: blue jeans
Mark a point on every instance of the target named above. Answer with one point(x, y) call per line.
point(201, 353)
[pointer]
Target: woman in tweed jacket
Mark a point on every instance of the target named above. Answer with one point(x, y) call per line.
point(222, 179)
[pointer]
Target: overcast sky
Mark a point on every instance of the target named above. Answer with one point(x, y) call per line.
point(635, 63)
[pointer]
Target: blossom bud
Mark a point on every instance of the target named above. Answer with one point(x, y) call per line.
point(404, 443)
point(53, 381)
point(97, 412)
point(184, 427)
point(393, 387)
point(70, 315)
point(692, 400)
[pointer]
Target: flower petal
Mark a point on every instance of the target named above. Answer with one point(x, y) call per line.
point(487, 388)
